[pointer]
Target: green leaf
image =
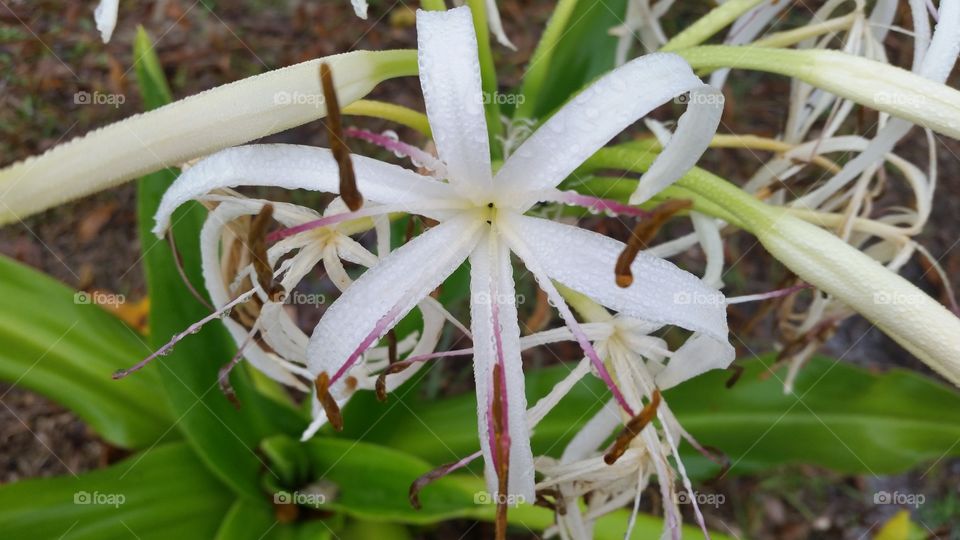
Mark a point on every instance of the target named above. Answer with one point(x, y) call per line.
point(57, 343)
point(584, 52)
point(162, 493)
point(840, 416)
point(372, 483)
point(224, 437)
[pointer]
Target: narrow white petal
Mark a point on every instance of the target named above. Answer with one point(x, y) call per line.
point(226, 116)
point(106, 18)
point(387, 292)
point(708, 234)
point(210, 234)
point(450, 78)
point(360, 8)
point(296, 167)
point(602, 111)
point(492, 288)
point(661, 293)
point(496, 25)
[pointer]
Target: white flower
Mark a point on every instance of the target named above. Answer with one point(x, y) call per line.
point(106, 18)
point(481, 218)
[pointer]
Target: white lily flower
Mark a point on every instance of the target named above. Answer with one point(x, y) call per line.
point(642, 365)
point(106, 18)
point(481, 218)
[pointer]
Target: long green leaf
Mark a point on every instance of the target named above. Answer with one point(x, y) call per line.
point(162, 493)
point(840, 416)
point(57, 343)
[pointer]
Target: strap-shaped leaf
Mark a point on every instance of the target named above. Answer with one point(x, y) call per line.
point(164, 492)
point(58, 343)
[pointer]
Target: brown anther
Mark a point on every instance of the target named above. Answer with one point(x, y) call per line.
point(329, 404)
point(392, 346)
point(338, 145)
point(426, 479)
point(257, 244)
point(737, 373)
point(381, 385)
point(632, 429)
point(351, 383)
point(556, 501)
point(642, 234)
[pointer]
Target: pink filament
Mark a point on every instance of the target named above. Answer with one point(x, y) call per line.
point(403, 149)
point(598, 204)
point(380, 329)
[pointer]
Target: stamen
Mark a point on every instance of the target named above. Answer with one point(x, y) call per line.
point(397, 367)
point(392, 346)
point(329, 404)
point(737, 373)
point(426, 479)
point(632, 429)
point(178, 261)
point(341, 152)
point(598, 204)
point(558, 504)
point(779, 293)
point(642, 234)
point(192, 329)
point(419, 157)
point(257, 244)
point(223, 376)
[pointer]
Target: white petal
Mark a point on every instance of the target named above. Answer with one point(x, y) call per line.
point(661, 293)
point(496, 25)
point(296, 167)
point(602, 111)
point(198, 125)
point(492, 286)
point(450, 78)
point(708, 234)
point(360, 8)
point(387, 292)
point(106, 18)
point(269, 364)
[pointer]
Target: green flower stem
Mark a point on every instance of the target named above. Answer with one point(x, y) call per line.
point(539, 65)
point(711, 23)
point(433, 5)
point(388, 111)
point(488, 74)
